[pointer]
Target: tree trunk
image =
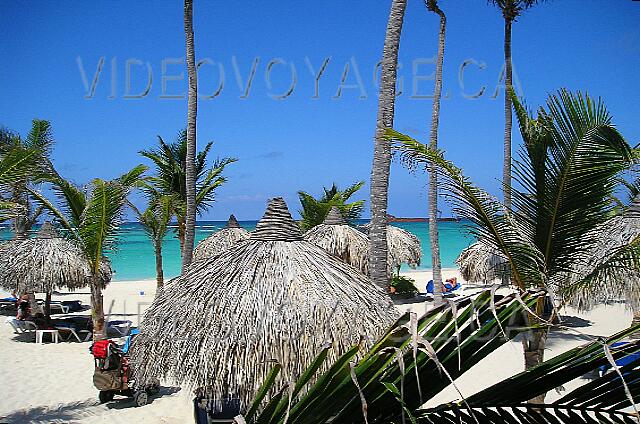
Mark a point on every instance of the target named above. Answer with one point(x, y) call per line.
point(97, 309)
point(635, 321)
point(382, 149)
point(192, 110)
point(181, 233)
point(159, 271)
point(21, 220)
point(506, 170)
point(433, 176)
point(534, 343)
point(47, 306)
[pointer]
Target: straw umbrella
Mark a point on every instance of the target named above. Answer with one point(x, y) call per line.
point(341, 240)
point(44, 263)
point(219, 241)
point(617, 281)
point(273, 298)
point(482, 263)
point(402, 247)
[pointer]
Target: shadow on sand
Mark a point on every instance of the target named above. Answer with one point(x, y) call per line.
point(70, 412)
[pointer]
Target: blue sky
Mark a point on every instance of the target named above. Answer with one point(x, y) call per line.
point(304, 141)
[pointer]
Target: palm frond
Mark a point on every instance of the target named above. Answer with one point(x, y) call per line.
point(605, 396)
point(56, 212)
point(491, 221)
point(40, 136)
point(17, 164)
point(101, 218)
point(416, 358)
point(73, 199)
point(568, 171)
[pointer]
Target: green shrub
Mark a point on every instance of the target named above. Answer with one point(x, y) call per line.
point(403, 286)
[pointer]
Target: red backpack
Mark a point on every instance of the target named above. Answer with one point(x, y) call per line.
point(100, 349)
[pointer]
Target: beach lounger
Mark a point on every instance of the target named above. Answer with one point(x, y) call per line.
point(20, 326)
point(620, 362)
point(119, 328)
point(73, 332)
point(449, 290)
point(59, 308)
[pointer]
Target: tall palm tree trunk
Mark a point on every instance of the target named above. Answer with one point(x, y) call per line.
point(534, 342)
point(97, 308)
point(192, 110)
point(382, 149)
point(506, 170)
point(20, 222)
point(433, 176)
point(159, 271)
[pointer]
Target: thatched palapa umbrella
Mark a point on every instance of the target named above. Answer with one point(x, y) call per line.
point(482, 263)
point(403, 247)
point(221, 240)
point(341, 240)
point(618, 282)
point(44, 263)
point(274, 297)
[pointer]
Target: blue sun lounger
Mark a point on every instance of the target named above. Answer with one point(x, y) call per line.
point(450, 288)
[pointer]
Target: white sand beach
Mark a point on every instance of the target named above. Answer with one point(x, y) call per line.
point(52, 383)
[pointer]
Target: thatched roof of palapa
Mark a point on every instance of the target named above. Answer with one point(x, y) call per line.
point(341, 240)
point(619, 282)
point(274, 297)
point(403, 247)
point(44, 263)
point(221, 240)
point(481, 263)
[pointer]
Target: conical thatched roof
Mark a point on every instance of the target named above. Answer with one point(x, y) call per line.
point(221, 240)
point(481, 263)
point(44, 263)
point(341, 240)
point(403, 247)
point(618, 282)
point(274, 297)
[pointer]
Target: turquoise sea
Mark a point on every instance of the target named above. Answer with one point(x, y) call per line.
point(134, 257)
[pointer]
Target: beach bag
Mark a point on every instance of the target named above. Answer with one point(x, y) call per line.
point(100, 349)
point(107, 380)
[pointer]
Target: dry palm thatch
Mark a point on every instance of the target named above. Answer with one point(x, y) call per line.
point(221, 240)
point(44, 263)
point(618, 282)
point(341, 240)
point(403, 247)
point(274, 297)
point(482, 263)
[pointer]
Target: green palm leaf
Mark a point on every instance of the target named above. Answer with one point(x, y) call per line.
point(603, 397)
point(491, 222)
point(334, 397)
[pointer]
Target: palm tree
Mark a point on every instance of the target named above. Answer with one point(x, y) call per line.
point(314, 211)
point(39, 140)
point(510, 9)
point(190, 168)
point(91, 218)
point(432, 6)
point(567, 171)
point(170, 160)
point(155, 220)
point(382, 150)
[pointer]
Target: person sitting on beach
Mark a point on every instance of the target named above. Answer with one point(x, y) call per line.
point(23, 308)
point(449, 285)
